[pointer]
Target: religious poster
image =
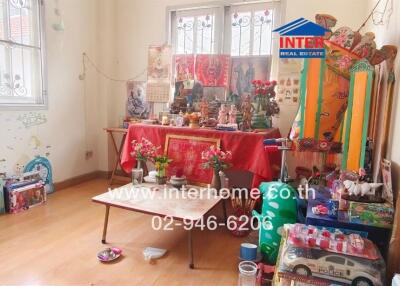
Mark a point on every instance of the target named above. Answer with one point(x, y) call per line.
point(184, 68)
point(136, 105)
point(213, 70)
point(159, 64)
point(246, 69)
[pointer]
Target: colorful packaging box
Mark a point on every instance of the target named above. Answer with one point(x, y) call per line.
point(374, 214)
point(19, 197)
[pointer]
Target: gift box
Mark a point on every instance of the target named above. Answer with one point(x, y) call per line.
point(22, 196)
point(373, 214)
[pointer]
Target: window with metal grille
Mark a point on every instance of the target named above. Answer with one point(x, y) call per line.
point(239, 30)
point(251, 31)
point(21, 54)
point(194, 31)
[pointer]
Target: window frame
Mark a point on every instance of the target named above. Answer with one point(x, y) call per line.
point(196, 10)
point(224, 37)
point(43, 104)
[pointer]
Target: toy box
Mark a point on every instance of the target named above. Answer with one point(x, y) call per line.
point(374, 214)
point(320, 257)
point(21, 196)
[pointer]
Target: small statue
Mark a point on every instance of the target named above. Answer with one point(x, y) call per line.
point(223, 115)
point(180, 102)
point(361, 188)
point(204, 108)
point(233, 114)
point(247, 110)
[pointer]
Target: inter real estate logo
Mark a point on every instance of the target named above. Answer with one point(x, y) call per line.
point(301, 39)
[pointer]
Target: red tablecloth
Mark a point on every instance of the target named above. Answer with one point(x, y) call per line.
point(247, 147)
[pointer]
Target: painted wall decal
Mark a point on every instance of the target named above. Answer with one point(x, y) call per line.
point(32, 119)
point(46, 173)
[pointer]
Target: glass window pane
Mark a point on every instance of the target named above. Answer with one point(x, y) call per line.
point(5, 78)
point(32, 73)
point(262, 32)
point(184, 42)
point(241, 34)
point(24, 22)
point(205, 34)
point(3, 19)
point(26, 73)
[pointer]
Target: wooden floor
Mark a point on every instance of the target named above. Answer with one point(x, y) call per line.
point(56, 244)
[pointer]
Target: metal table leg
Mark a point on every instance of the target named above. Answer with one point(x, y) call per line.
point(105, 224)
point(224, 210)
point(191, 264)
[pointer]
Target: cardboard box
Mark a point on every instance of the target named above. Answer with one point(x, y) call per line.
point(20, 197)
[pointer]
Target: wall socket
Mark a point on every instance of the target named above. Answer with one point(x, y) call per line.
point(88, 154)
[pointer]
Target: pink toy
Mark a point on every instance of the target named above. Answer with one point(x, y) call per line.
point(310, 237)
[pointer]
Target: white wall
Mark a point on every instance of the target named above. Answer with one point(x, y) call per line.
point(65, 135)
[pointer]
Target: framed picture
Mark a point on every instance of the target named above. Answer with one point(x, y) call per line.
point(185, 152)
point(136, 105)
point(246, 69)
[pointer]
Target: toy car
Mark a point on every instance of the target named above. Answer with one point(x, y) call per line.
point(315, 262)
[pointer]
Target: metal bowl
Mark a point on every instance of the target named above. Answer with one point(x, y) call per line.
point(109, 254)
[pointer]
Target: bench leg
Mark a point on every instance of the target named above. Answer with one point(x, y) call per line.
point(105, 224)
point(191, 264)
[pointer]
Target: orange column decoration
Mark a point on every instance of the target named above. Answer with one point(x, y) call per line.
point(311, 108)
point(357, 116)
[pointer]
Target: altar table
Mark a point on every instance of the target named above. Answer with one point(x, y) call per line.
point(247, 148)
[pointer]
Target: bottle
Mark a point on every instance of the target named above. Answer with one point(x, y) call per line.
point(247, 273)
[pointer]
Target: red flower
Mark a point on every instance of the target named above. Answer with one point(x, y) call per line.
point(274, 82)
point(254, 82)
point(267, 83)
point(259, 82)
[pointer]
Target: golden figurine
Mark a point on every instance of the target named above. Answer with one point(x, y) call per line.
point(247, 110)
point(204, 108)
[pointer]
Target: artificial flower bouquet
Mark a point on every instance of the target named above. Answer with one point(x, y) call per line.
point(144, 150)
point(265, 94)
point(161, 163)
point(216, 159)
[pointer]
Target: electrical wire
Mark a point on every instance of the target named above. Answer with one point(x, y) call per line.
point(369, 16)
point(87, 59)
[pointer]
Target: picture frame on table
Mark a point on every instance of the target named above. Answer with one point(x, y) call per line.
point(244, 70)
point(185, 153)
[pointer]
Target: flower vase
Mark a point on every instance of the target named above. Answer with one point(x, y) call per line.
point(259, 104)
point(161, 180)
point(161, 177)
point(216, 180)
point(137, 174)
